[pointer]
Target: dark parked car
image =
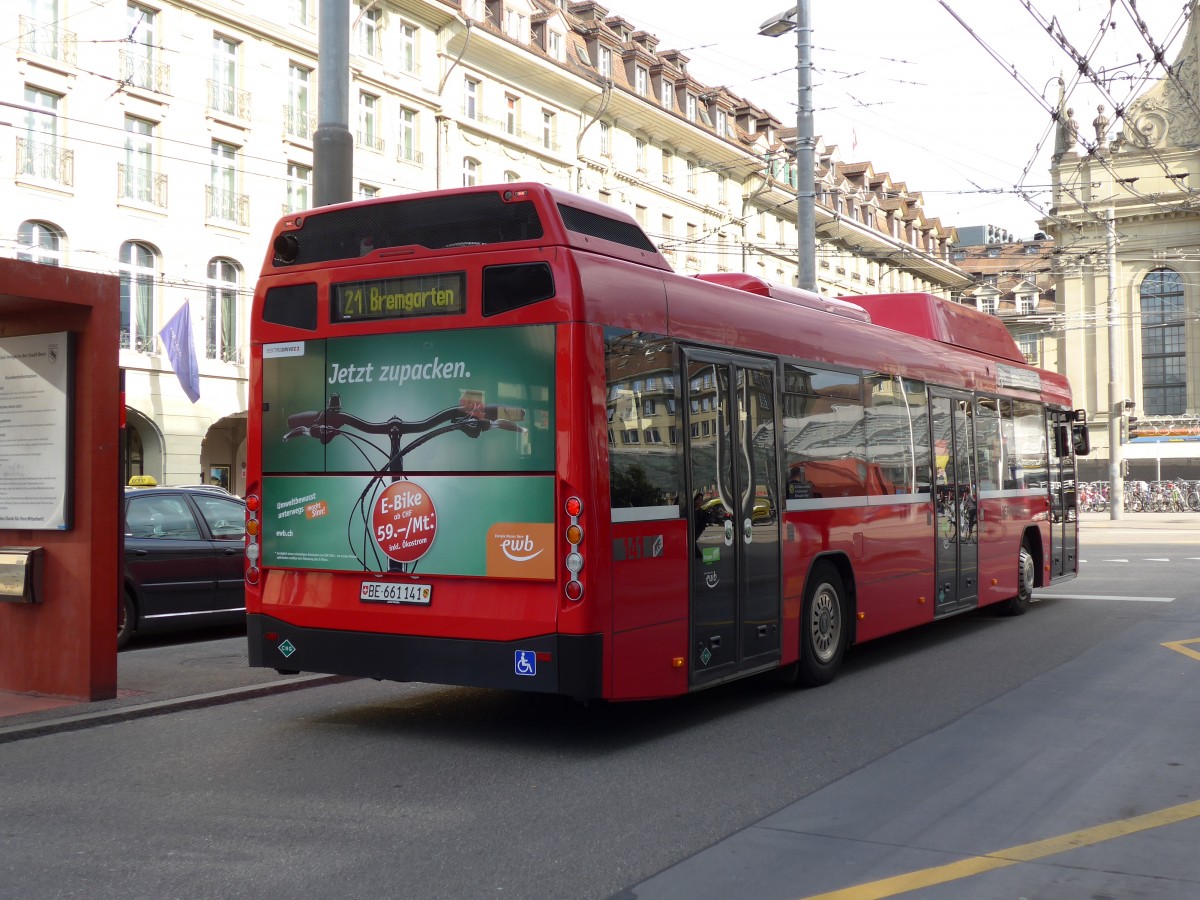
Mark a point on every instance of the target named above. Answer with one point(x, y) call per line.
point(183, 560)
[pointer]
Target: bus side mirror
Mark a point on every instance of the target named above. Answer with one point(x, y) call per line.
point(1081, 439)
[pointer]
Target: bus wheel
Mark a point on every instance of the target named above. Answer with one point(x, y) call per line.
point(126, 620)
point(1026, 578)
point(822, 627)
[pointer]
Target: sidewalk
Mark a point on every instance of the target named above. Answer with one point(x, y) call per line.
point(152, 680)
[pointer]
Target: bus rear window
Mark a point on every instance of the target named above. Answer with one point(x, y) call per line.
point(510, 287)
point(436, 223)
point(583, 222)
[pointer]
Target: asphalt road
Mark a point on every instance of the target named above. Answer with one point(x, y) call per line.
point(948, 743)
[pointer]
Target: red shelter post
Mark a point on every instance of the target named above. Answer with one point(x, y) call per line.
point(64, 643)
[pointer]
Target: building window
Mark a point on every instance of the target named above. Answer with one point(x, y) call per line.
point(369, 24)
point(1164, 344)
point(668, 167)
point(640, 147)
point(408, 48)
point(137, 275)
point(512, 113)
point(408, 135)
point(605, 139)
point(367, 191)
point(641, 81)
point(548, 126)
point(604, 61)
point(691, 175)
point(470, 98)
point(40, 243)
point(514, 25)
point(691, 107)
point(299, 185)
point(667, 94)
point(221, 319)
point(1029, 347)
point(137, 181)
point(297, 120)
point(554, 45)
point(722, 123)
point(511, 176)
point(299, 12)
point(223, 93)
point(38, 152)
point(987, 303)
point(470, 172)
point(368, 122)
point(139, 64)
point(223, 177)
point(1026, 303)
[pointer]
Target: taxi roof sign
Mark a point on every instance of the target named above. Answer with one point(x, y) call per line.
point(143, 481)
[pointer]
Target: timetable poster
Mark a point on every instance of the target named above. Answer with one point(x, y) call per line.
point(35, 419)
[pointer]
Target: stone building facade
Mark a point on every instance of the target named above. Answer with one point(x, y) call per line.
point(161, 141)
point(1127, 200)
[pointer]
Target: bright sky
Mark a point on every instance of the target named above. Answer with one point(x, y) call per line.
point(902, 84)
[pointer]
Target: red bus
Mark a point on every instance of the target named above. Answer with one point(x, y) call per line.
point(496, 441)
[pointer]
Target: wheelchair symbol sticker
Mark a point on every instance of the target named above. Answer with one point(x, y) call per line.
point(525, 662)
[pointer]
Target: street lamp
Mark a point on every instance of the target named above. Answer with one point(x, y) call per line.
point(797, 19)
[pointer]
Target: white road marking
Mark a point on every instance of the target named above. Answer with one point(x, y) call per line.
point(1038, 595)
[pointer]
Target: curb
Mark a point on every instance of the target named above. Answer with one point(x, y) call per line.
point(81, 721)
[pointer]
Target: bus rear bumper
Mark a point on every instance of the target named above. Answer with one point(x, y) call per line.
point(566, 664)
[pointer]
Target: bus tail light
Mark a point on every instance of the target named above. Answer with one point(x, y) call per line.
point(574, 559)
point(253, 550)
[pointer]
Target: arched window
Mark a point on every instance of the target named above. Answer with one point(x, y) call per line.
point(138, 265)
point(1164, 348)
point(470, 172)
point(221, 318)
point(40, 242)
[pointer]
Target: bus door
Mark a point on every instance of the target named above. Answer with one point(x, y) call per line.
point(1064, 513)
point(734, 514)
point(956, 508)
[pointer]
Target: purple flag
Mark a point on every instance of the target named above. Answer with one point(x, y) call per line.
point(181, 350)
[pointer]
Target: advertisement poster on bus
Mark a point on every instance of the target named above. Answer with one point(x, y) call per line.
point(487, 394)
point(498, 526)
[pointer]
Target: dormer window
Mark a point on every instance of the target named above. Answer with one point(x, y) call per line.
point(554, 44)
point(722, 123)
point(604, 61)
point(641, 80)
point(691, 107)
point(667, 94)
point(1026, 302)
point(514, 25)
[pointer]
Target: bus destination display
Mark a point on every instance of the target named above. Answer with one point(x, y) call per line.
point(400, 298)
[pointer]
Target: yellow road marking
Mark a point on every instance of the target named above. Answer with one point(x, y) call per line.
point(1181, 647)
point(966, 868)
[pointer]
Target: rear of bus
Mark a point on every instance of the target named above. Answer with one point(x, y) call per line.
point(421, 506)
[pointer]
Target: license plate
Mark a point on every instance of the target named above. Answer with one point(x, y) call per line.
point(395, 592)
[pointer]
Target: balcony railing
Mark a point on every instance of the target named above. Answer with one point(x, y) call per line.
point(225, 354)
point(45, 162)
point(226, 206)
point(47, 40)
point(298, 123)
point(141, 186)
point(408, 154)
point(145, 344)
point(368, 141)
point(228, 100)
point(139, 71)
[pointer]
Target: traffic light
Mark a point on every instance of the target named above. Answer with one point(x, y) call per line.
point(1128, 421)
